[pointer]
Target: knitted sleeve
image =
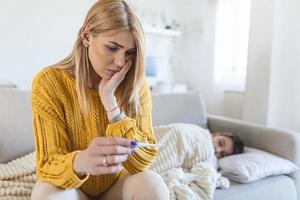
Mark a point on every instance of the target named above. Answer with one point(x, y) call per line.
point(54, 160)
point(139, 129)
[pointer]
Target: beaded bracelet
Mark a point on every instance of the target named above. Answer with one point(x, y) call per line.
point(117, 118)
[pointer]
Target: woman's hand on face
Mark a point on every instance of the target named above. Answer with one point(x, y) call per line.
point(103, 156)
point(107, 87)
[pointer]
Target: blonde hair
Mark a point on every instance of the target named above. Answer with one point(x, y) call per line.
point(109, 15)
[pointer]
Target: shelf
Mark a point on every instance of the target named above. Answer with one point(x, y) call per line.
point(162, 31)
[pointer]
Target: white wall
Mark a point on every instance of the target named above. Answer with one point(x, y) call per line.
point(273, 83)
point(196, 52)
point(159, 13)
point(259, 62)
point(233, 104)
point(193, 59)
point(36, 33)
point(284, 100)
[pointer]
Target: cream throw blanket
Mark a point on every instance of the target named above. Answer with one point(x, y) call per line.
point(17, 178)
point(187, 162)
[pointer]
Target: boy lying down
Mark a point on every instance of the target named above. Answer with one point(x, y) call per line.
point(187, 159)
point(227, 144)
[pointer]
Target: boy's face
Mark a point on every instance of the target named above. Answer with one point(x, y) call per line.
point(223, 145)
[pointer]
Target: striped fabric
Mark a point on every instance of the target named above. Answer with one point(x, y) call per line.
point(187, 161)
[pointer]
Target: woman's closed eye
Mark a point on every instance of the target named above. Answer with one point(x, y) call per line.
point(112, 49)
point(129, 54)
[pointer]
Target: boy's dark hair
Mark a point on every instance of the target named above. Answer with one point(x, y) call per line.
point(238, 144)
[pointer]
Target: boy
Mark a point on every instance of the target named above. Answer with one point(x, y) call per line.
point(227, 144)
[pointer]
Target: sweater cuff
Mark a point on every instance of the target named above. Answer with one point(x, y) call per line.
point(140, 160)
point(125, 128)
point(75, 180)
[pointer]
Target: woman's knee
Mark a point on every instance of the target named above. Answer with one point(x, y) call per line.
point(145, 185)
point(47, 191)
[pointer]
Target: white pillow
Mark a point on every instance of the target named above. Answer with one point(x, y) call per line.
point(253, 165)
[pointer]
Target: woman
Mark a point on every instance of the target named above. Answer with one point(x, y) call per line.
point(90, 108)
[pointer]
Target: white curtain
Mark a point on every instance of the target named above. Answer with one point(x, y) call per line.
point(231, 43)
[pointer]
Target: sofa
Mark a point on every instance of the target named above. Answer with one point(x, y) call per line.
point(17, 138)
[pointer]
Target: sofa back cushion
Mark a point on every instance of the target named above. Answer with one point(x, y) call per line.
point(178, 108)
point(16, 136)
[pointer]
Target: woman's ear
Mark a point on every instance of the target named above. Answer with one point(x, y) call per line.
point(85, 36)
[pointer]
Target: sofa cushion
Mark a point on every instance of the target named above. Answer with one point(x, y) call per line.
point(275, 188)
point(178, 108)
point(15, 124)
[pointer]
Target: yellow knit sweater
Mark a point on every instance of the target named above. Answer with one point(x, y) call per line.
point(61, 130)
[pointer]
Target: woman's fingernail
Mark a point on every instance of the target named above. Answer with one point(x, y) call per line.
point(133, 143)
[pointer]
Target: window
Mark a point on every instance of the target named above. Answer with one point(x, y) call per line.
point(231, 44)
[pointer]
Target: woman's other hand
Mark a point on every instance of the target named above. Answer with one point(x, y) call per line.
point(107, 87)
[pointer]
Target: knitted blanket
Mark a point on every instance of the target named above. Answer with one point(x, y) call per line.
point(17, 178)
point(187, 162)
